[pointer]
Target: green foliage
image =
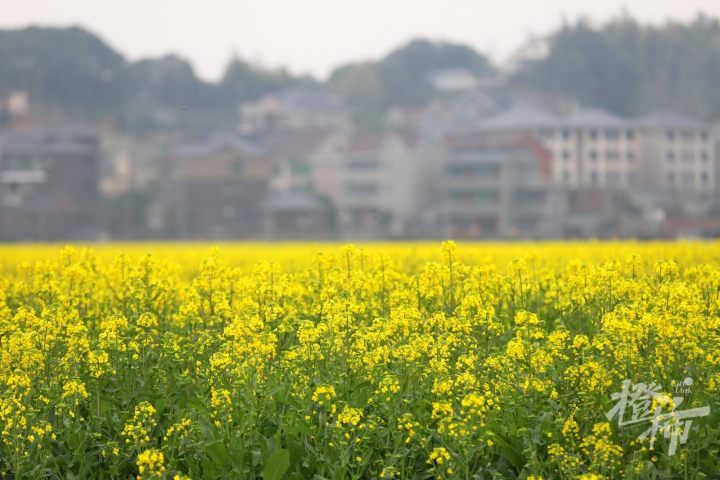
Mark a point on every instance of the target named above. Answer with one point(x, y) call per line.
point(622, 66)
point(405, 71)
point(62, 66)
point(629, 68)
point(74, 70)
point(401, 77)
point(243, 81)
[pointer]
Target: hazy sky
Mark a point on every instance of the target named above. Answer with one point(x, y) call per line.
point(315, 35)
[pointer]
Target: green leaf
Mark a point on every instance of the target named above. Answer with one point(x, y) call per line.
point(217, 452)
point(208, 468)
point(361, 393)
point(277, 464)
point(508, 451)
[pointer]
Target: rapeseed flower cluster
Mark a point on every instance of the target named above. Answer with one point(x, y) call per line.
point(386, 361)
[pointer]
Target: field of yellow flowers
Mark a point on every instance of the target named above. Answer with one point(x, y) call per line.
point(473, 361)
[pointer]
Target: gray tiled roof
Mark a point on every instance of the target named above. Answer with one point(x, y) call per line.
point(72, 139)
point(668, 119)
point(587, 118)
point(521, 118)
point(293, 201)
point(309, 98)
point(527, 118)
point(219, 141)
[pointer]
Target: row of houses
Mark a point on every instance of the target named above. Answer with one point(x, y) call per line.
point(508, 178)
point(49, 183)
point(592, 148)
point(296, 167)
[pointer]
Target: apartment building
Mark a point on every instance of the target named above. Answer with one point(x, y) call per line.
point(291, 109)
point(378, 189)
point(306, 160)
point(49, 179)
point(590, 148)
point(605, 148)
point(677, 154)
point(594, 149)
point(217, 187)
point(498, 185)
point(303, 180)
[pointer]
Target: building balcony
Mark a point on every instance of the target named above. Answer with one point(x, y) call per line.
point(23, 176)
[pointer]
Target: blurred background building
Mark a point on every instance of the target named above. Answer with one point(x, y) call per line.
point(430, 141)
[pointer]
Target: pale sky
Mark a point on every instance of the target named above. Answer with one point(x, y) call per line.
point(313, 36)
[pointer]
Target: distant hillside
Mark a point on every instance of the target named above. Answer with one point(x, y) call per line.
point(402, 76)
point(73, 69)
point(66, 67)
point(629, 68)
point(621, 66)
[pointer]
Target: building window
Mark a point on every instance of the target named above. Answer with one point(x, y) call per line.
point(704, 178)
point(612, 155)
point(593, 155)
point(566, 176)
point(670, 135)
point(237, 167)
point(630, 135)
point(613, 178)
point(566, 155)
point(688, 156)
point(670, 156)
point(362, 165)
point(566, 133)
point(547, 133)
point(631, 156)
point(704, 156)
point(530, 196)
point(483, 197)
point(362, 188)
point(704, 136)
point(671, 178)
point(468, 170)
point(688, 179)
point(612, 134)
point(593, 178)
point(593, 134)
point(300, 167)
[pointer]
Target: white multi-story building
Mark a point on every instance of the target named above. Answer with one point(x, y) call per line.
point(497, 185)
point(378, 184)
point(677, 154)
point(589, 148)
point(596, 149)
point(605, 149)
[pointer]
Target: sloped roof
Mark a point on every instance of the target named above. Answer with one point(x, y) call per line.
point(482, 139)
point(411, 139)
point(668, 119)
point(521, 118)
point(373, 141)
point(288, 201)
point(590, 117)
point(219, 141)
point(309, 98)
point(528, 118)
point(70, 139)
point(366, 142)
point(300, 141)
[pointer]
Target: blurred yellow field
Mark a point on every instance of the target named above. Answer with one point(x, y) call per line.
point(292, 256)
point(400, 360)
